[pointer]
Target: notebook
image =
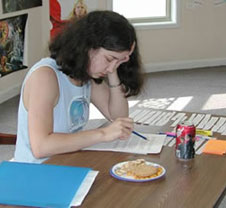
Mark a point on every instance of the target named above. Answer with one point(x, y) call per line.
point(39, 185)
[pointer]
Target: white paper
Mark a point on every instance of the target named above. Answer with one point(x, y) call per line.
point(84, 188)
point(134, 113)
point(204, 121)
point(194, 4)
point(210, 123)
point(153, 123)
point(222, 128)
point(147, 116)
point(153, 117)
point(134, 144)
point(140, 115)
point(177, 116)
point(198, 143)
point(180, 119)
point(191, 118)
point(172, 142)
point(163, 121)
point(197, 119)
point(167, 139)
point(220, 122)
point(200, 150)
point(219, 2)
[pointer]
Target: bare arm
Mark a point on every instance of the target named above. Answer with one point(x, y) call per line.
point(40, 96)
point(110, 101)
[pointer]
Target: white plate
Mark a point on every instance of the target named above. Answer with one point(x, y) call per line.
point(130, 178)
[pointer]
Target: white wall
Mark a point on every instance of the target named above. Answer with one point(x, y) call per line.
point(198, 41)
point(36, 39)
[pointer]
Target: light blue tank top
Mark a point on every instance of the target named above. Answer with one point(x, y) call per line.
point(70, 114)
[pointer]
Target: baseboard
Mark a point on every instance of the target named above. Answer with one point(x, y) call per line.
point(191, 64)
point(151, 67)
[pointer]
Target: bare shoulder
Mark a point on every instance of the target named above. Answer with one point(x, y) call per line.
point(44, 77)
point(43, 84)
point(43, 73)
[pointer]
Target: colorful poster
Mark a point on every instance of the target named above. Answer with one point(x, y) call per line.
point(61, 12)
point(12, 44)
point(16, 5)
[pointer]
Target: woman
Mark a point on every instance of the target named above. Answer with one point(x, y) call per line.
point(94, 60)
point(79, 10)
point(55, 18)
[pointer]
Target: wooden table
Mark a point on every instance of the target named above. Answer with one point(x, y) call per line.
point(202, 186)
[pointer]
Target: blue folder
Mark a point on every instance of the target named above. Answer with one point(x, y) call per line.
point(39, 185)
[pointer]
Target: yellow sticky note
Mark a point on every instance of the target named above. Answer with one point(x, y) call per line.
point(217, 147)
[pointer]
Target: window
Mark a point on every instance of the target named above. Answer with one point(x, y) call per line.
point(147, 12)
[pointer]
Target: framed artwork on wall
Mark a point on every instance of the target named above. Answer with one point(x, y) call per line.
point(12, 34)
point(61, 12)
point(16, 5)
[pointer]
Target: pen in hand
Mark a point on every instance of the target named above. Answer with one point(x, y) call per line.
point(140, 135)
point(135, 132)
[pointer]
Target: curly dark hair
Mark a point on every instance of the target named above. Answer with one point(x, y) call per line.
point(98, 29)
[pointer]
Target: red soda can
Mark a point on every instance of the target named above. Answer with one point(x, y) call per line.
point(185, 140)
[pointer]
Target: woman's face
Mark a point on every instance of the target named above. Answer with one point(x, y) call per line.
point(103, 62)
point(80, 10)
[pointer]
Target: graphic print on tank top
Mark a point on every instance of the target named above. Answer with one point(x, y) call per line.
point(78, 113)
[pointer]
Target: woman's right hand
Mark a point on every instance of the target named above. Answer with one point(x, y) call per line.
point(121, 128)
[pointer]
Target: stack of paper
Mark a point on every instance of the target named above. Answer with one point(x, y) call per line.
point(134, 144)
point(41, 185)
